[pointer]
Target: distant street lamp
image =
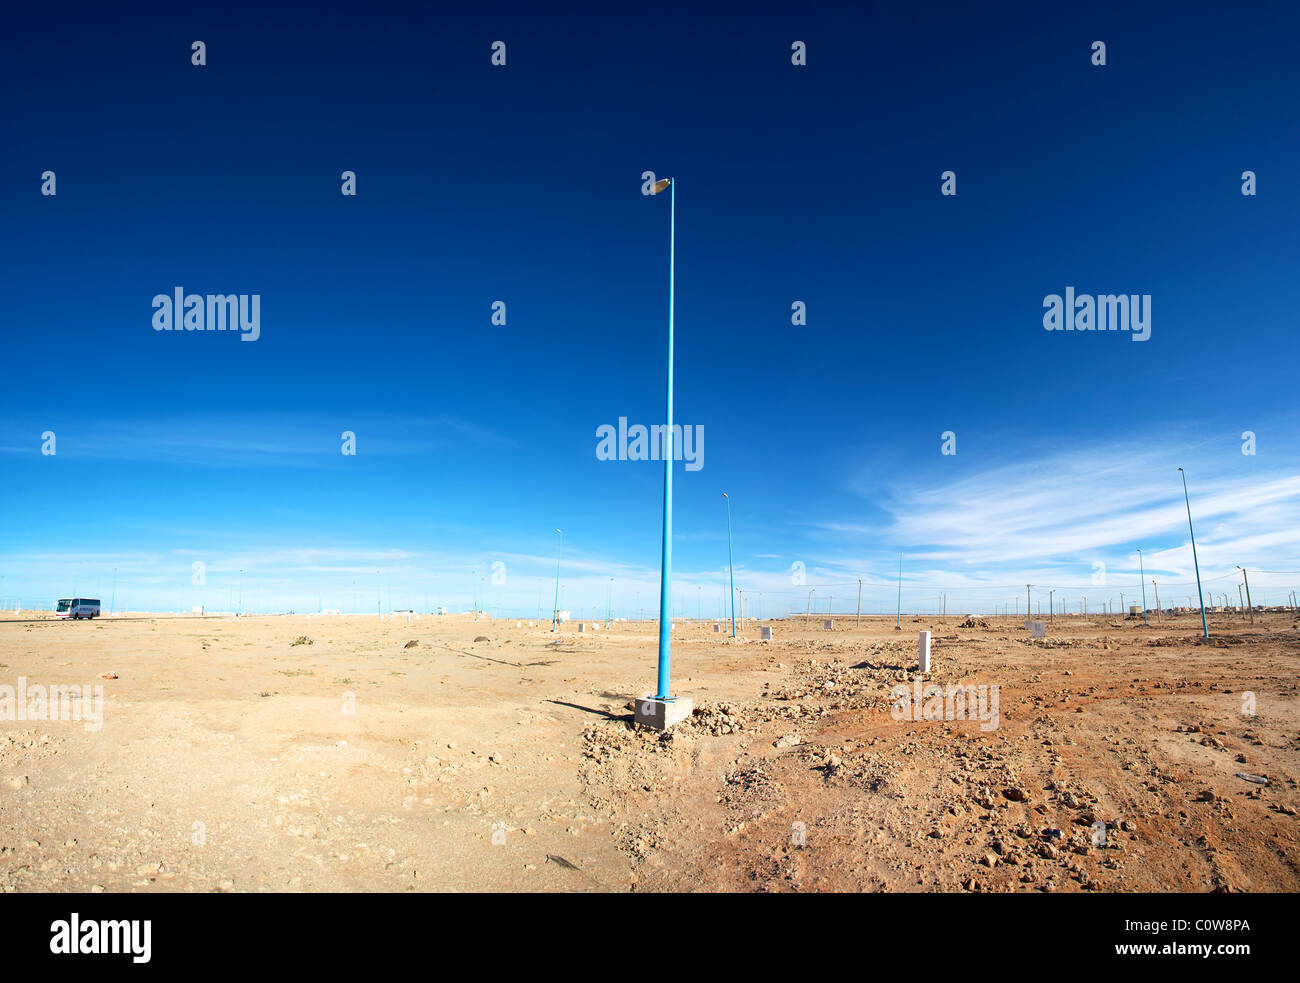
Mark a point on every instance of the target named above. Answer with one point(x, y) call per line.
point(731, 568)
point(1248, 604)
point(1142, 575)
point(898, 624)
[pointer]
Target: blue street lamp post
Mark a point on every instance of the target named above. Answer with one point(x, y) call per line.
point(664, 691)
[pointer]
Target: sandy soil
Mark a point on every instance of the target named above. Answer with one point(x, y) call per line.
point(228, 759)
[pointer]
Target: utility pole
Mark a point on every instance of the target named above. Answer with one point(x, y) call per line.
point(1029, 611)
point(1051, 607)
point(1248, 604)
point(859, 601)
point(1157, 588)
point(1241, 603)
point(810, 594)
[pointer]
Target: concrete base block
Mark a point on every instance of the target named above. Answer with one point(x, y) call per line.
point(828, 624)
point(765, 634)
point(662, 714)
point(923, 653)
point(581, 627)
point(717, 627)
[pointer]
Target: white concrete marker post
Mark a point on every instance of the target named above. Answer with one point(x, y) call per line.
point(1038, 629)
point(662, 714)
point(581, 627)
point(828, 625)
point(923, 653)
point(765, 634)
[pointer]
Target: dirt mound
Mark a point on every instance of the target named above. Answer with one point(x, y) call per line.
point(972, 622)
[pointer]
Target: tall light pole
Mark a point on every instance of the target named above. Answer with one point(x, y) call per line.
point(731, 567)
point(1205, 628)
point(1248, 604)
point(1142, 575)
point(555, 611)
point(664, 691)
point(898, 624)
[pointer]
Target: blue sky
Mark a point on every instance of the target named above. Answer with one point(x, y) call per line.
point(522, 184)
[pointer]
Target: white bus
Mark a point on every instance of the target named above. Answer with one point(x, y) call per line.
point(77, 607)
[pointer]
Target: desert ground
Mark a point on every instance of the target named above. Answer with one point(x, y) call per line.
point(451, 754)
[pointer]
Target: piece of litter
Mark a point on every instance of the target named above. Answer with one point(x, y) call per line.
point(561, 861)
point(1257, 779)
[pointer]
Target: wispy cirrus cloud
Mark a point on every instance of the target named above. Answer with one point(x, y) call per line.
point(1056, 516)
point(252, 440)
